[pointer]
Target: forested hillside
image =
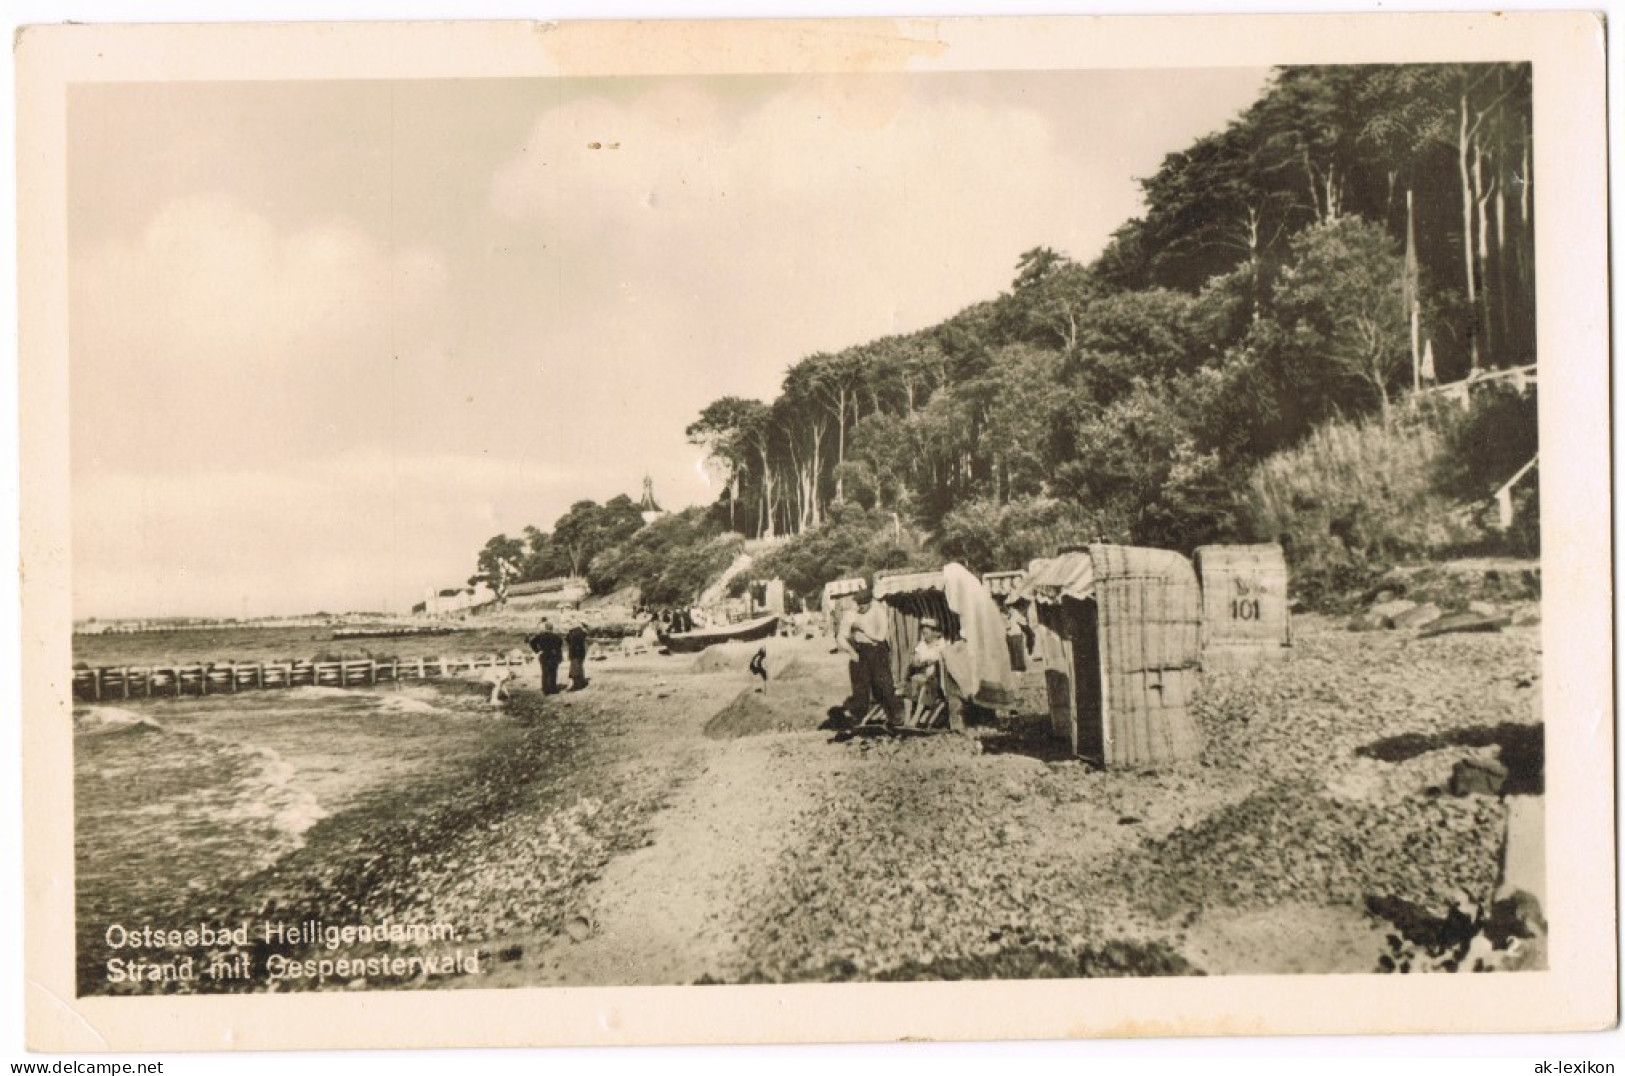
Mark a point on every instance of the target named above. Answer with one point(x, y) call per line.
point(1357, 233)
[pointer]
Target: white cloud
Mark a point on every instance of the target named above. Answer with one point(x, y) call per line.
point(185, 339)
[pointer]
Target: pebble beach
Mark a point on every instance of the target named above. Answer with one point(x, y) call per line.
point(677, 823)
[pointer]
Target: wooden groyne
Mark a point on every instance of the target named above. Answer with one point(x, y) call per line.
point(224, 678)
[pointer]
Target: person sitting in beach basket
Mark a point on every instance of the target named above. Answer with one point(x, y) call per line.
point(925, 691)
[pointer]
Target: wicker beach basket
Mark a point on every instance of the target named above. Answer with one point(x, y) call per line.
point(1121, 632)
point(1244, 605)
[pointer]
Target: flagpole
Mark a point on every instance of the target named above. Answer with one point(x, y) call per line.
point(1413, 291)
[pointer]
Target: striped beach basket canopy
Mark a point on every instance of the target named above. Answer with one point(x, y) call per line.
point(1004, 584)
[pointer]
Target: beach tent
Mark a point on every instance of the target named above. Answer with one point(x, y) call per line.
point(977, 658)
point(1244, 612)
point(1119, 631)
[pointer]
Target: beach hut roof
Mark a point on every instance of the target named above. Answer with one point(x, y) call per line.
point(1077, 574)
point(908, 583)
point(1070, 575)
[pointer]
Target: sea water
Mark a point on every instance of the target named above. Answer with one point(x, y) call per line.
point(177, 799)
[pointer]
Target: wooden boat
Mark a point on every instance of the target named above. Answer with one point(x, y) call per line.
point(745, 631)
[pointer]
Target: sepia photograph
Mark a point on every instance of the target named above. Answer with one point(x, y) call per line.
point(812, 513)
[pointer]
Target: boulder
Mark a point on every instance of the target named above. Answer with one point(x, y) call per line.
point(1388, 588)
point(1453, 623)
point(1380, 616)
point(1526, 616)
point(1483, 609)
point(1390, 609)
point(1515, 913)
point(1477, 776)
point(1419, 617)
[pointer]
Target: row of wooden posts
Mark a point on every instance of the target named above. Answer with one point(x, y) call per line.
point(128, 682)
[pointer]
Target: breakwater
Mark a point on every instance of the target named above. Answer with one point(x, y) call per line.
point(217, 678)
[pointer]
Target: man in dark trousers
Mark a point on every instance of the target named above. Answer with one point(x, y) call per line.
point(575, 644)
point(864, 637)
point(549, 648)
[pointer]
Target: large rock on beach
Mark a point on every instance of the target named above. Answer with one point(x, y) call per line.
point(1477, 776)
point(1419, 617)
point(1457, 623)
point(1366, 621)
point(1381, 616)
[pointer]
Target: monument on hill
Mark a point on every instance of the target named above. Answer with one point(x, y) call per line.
point(647, 506)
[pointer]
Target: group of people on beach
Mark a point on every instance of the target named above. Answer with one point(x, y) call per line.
point(930, 687)
point(864, 635)
point(551, 648)
point(673, 621)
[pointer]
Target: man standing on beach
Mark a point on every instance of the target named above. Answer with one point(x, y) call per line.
point(575, 642)
point(549, 648)
point(863, 634)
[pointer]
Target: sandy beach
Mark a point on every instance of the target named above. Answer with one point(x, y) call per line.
point(725, 834)
point(678, 823)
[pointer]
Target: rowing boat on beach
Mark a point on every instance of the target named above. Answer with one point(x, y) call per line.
point(692, 642)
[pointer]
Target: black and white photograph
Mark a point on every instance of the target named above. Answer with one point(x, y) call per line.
point(841, 518)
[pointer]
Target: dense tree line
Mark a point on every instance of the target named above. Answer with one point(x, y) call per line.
point(578, 537)
point(1356, 231)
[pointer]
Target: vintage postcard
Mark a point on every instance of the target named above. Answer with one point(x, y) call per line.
point(796, 531)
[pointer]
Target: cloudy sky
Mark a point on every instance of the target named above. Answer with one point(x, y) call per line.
point(327, 338)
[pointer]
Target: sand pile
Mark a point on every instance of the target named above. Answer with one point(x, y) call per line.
point(794, 706)
point(725, 657)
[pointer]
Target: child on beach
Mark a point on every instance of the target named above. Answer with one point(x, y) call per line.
point(924, 686)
